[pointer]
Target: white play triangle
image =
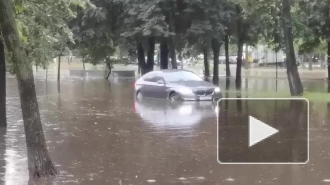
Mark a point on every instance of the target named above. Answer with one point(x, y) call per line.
point(259, 131)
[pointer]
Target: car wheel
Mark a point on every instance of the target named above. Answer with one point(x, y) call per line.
point(139, 96)
point(174, 97)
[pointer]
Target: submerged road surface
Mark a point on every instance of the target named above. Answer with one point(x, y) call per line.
point(97, 134)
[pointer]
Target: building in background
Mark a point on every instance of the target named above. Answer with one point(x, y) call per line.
point(265, 55)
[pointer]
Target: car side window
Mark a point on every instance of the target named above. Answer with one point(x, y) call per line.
point(149, 77)
point(157, 78)
point(153, 78)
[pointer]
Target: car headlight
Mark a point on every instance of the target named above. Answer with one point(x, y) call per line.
point(186, 91)
point(217, 90)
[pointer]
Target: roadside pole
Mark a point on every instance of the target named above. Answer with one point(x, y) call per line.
point(276, 68)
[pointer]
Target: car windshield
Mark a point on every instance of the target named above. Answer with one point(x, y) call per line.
point(181, 76)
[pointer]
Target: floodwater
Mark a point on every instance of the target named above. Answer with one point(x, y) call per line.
point(97, 134)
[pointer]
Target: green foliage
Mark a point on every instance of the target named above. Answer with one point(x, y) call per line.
point(251, 14)
point(271, 24)
point(100, 29)
point(145, 18)
point(43, 27)
point(209, 20)
point(97, 31)
point(311, 23)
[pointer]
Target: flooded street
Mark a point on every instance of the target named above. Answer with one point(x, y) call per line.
point(97, 134)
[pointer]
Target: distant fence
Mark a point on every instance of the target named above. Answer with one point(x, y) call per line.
point(126, 73)
point(103, 73)
point(87, 73)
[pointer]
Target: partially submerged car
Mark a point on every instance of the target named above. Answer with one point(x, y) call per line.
point(175, 85)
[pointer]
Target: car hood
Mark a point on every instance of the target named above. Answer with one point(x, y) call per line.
point(192, 84)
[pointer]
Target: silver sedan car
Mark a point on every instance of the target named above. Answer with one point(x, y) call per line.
point(175, 85)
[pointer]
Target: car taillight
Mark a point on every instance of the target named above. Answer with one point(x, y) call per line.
point(134, 84)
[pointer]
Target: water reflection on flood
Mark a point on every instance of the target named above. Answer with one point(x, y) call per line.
point(97, 134)
point(163, 114)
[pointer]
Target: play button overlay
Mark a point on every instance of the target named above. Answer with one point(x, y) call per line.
point(263, 131)
point(259, 131)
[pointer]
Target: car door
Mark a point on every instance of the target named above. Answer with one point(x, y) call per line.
point(158, 89)
point(148, 85)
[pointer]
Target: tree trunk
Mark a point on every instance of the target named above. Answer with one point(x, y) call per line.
point(39, 162)
point(59, 88)
point(3, 116)
point(246, 62)
point(216, 53)
point(59, 68)
point(109, 73)
point(239, 48)
point(181, 59)
point(227, 56)
point(151, 54)
point(171, 39)
point(46, 74)
point(206, 62)
point(328, 60)
point(83, 65)
point(227, 84)
point(3, 132)
point(310, 62)
point(174, 64)
point(158, 57)
point(164, 54)
point(295, 84)
point(141, 59)
point(239, 62)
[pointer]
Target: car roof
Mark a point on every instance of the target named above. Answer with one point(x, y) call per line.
point(163, 71)
point(173, 70)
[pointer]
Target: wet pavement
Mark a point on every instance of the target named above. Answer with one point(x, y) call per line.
point(97, 134)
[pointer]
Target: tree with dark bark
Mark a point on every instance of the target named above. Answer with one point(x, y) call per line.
point(177, 20)
point(3, 115)
point(172, 52)
point(151, 54)
point(39, 162)
point(240, 43)
point(227, 56)
point(144, 65)
point(209, 23)
point(164, 51)
point(247, 29)
point(3, 131)
point(146, 27)
point(171, 39)
point(141, 58)
point(216, 53)
point(295, 84)
point(206, 62)
point(59, 68)
point(59, 50)
point(96, 32)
